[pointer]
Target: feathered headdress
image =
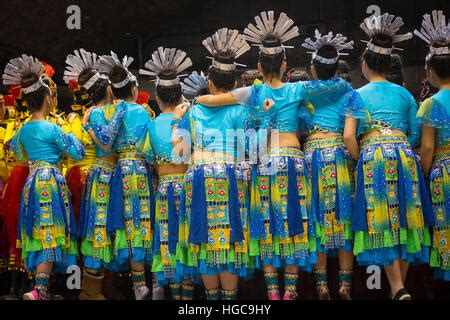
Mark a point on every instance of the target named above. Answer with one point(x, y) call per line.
point(19, 68)
point(78, 62)
point(166, 65)
point(267, 28)
point(386, 24)
point(194, 84)
point(336, 41)
point(433, 30)
point(226, 46)
point(106, 63)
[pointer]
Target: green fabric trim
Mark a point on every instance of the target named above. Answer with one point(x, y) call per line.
point(436, 260)
point(105, 253)
point(33, 245)
point(348, 233)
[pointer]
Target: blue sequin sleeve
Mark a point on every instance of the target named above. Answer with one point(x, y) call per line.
point(17, 147)
point(106, 131)
point(145, 146)
point(68, 144)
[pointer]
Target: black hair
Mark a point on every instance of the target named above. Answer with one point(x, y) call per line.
point(97, 92)
point(326, 71)
point(117, 75)
point(169, 95)
point(298, 74)
point(344, 71)
point(440, 64)
point(36, 98)
point(377, 62)
point(395, 74)
point(249, 76)
point(271, 63)
point(222, 79)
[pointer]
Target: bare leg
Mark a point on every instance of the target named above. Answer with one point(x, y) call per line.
point(141, 291)
point(404, 266)
point(290, 282)
point(212, 286)
point(394, 276)
point(346, 261)
point(229, 284)
point(320, 274)
point(271, 279)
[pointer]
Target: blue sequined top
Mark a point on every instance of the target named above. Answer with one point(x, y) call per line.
point(288, 100)
point(435, 112)
point(105, 122)
point(132, 129)
point(160, 138)
point(219, 130)
point(325, 111)
point(392, 106)
point(284, 112)
point(45, 141)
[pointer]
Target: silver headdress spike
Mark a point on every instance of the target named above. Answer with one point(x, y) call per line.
point(78, 62)
point(19, 68)
point(266, 26)
point(106, 63)
point(434, 28)
point(386, 24)
point(337, 41)
point(194, 84)
point(167, 60)
point(226, 44)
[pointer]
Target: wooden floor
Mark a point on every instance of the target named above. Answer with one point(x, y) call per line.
point(420, 283)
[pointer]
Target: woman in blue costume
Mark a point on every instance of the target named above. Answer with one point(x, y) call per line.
point(131, 193)
point(435, 148)
point(281, 224)
point(392, 211)
point(171, 169)
point(102, 124)
point(47, 231)
point(215, 228)
point(330, 161)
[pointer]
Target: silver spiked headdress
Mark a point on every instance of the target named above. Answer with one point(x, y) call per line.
point(434, 28)
point(78, 62)
point(266, 27)
point(19, 68)
point(194, 84)
point(337, 41)
point(386, 24)
point(106, 63)
point(167, 60)
point(225, 46)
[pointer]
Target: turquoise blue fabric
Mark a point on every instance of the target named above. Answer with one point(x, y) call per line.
point(45, 141)
point(104, 130)
point(437, 115)
point(285, 110)
point(160, 136)
point(330, 108)
point(214, 129)
point(391, 105)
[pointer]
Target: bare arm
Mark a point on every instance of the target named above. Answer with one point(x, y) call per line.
point(427, 148)
point(218, 100)
point(350, 137)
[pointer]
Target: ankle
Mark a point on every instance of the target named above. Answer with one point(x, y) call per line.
point(213, 294)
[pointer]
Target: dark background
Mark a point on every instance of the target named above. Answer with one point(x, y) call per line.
point(138, 27)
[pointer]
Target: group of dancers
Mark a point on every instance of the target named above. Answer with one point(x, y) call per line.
point(272, 176)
